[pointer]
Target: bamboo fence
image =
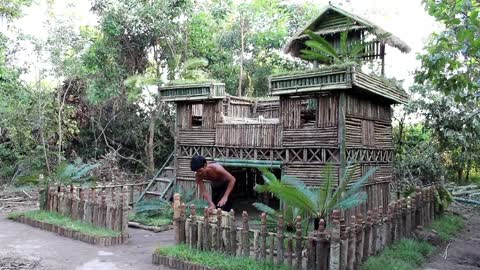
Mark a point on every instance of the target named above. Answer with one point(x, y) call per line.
point(90, 206)
point(334, 246)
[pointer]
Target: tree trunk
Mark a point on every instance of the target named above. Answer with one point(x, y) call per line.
point(242, 37)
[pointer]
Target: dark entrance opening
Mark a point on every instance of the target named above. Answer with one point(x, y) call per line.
point(244, 195)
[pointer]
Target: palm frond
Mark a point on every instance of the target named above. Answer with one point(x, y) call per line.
point(329, 49)
point(352, 200)
point(360, 182)
point(300, 186)
point(266, 209)
point(327, 188)
point(311, 55)
point(344, 43)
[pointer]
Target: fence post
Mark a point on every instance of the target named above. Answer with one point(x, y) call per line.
point(206, 230)
point(367, 250)
point(343, 244)
point(233, 234)
point(374, 231)
point(360, 238)
point(352, 243)
point(334, 261)
point(181, 225)
point(418, 210)
point(412, 212)
point(263, 237)
point(289, 254)
point(280, 237)
point(408, 219)
point(193, 227)
point(74, 204)
point(322, 247)
point(311, 250)
point(219, 239)
point(176, 216)
point(379, 229)
point(124, 213)
point(298, 243)
point(245, 238)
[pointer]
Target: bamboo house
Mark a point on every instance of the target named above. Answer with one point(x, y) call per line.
point(331, 115)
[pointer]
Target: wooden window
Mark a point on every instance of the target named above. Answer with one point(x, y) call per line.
point(368, 133)
point(308, 114)
point(197, 115)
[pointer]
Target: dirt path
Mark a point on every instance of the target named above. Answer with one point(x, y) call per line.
point(25, 247)
point(464, 250)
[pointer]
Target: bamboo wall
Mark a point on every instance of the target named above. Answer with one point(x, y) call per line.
point(251, 135)
point(267, 109)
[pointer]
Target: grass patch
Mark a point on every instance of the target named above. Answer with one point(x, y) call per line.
point(447, 226)
point(65, 222)
point(150, 221)
point(215, 260)
point(405, 254)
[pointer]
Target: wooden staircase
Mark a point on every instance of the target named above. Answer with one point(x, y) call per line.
point(161, 185)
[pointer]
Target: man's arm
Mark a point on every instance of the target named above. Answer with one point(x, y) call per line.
point(204, 192)
point(231, 183)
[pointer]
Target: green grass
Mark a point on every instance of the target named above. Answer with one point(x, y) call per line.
point(65, 222)
point(409, 254)
point(405, 254)
point(447, 226)
point(214, 260)
point(150, 221)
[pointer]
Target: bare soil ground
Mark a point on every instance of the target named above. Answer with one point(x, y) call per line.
point(26, 248)
point(463, 252)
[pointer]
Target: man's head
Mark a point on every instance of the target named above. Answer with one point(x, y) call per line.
point(197, 163)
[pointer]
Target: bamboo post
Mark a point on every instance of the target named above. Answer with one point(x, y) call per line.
point(334, 261)
point(367, 248)
point(408, 221)
point(418, 210)
point(389, 235)
point(74, 204)
point(124, 212)
point(280, 237)
point(61, 198)
point(193, 226)
point(176, 216)
point(102, 213)
point(81, 203)
point(352, 243)
point(245, 238)
point(343, 244)
point(322, 247)
point(289, 252)
point(256, 244)
point(130, 197)
point(206, 230)
point(359, 244)
point(380, 229)
point(311, 250)
point(374, 230)
point(181, 224)
point(233, 234)
point(272, 249)
point(219, 230)
point(263, 236)
point(298, 244)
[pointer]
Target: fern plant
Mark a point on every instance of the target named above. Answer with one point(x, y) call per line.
point(321, 50)
point(312, 203)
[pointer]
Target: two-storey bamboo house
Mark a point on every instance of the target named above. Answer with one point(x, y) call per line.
point(332, 115)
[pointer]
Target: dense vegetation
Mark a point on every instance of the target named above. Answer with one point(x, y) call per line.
point(93, 95)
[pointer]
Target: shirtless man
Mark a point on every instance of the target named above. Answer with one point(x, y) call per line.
point(222, 182)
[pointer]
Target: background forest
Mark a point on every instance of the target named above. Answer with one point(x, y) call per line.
point(93, 104)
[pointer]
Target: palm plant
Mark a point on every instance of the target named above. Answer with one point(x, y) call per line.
point(321, 50)
point(313, 203)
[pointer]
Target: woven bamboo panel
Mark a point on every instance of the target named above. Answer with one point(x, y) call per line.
point(251, 135)
point(309, 174)
point(361, 107)
point(310, 137)
point(270, 109)
point(383, 135)
point(327, 112)
point(196, 136)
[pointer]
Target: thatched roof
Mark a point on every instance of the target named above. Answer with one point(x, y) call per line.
point(333, 20)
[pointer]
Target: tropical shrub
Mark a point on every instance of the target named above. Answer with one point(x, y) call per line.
point(310, 203)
